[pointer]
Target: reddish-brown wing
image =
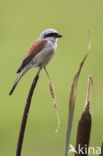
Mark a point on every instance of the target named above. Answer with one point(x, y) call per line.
point(35, 48)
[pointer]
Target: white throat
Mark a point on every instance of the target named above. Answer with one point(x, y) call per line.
point(53, 39)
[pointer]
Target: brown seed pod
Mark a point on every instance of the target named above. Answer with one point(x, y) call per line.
point(83, 133)
point(84, 127)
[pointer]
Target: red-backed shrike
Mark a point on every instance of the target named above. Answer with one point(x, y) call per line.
point(39, 54)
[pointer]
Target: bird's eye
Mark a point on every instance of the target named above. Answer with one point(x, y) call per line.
point(50, 35)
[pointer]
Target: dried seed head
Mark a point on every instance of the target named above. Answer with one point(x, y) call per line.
point(54, 98)
point(84, 126)
point(83, 132)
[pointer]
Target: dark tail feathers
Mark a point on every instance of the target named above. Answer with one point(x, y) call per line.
point(13, 88)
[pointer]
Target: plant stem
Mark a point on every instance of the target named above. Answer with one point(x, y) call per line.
point(25, 114)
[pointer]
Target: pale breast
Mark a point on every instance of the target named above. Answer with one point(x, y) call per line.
point(45, 55)
point(51, 45)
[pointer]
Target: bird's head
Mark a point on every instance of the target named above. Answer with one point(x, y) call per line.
point(50, 34)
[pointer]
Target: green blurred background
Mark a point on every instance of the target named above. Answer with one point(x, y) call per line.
point(21, 22)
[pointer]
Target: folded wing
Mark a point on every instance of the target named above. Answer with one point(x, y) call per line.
point(35, 48)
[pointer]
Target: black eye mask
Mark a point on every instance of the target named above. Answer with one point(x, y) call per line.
point(51, 35)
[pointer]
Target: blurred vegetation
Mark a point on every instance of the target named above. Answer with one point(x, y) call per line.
point(21, 22)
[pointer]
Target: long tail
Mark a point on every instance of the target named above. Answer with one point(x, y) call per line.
point(18, 79)
point(16, 82)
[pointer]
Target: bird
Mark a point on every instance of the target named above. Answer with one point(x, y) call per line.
point(39, 53)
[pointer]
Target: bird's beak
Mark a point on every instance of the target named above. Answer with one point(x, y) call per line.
point(59, 35)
